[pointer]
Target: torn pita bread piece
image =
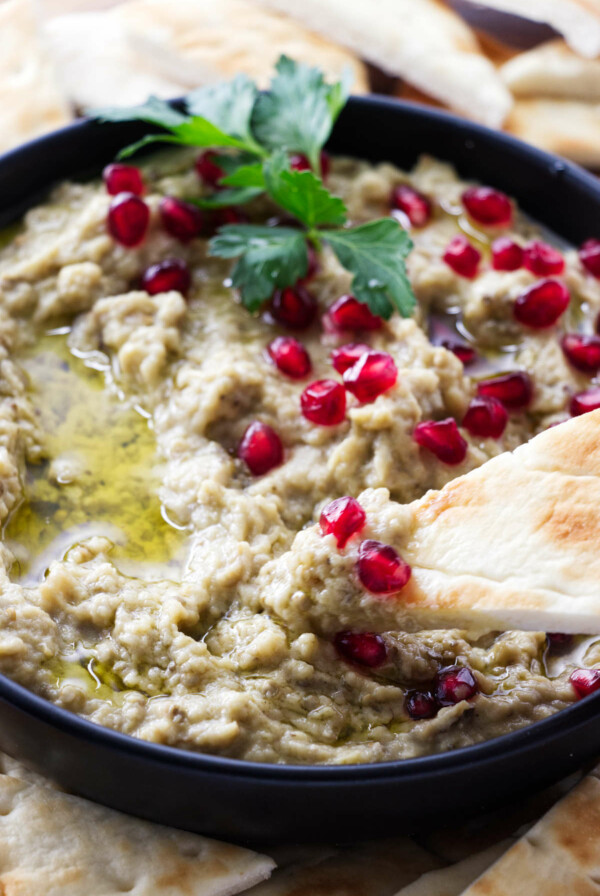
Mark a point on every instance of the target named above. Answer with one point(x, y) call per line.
point(453, 879)
point(96, 65)
point(30, 101)
point(54, 844)
point(377, 869)
point(202, 42)
point(558, 856)
point(577, 20)
point(568, 128)
point(553, 70)
point(424, 43)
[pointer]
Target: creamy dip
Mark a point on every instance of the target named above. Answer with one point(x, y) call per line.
point(144, 565)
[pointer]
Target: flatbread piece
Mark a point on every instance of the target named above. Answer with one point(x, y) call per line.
point(569, 128)
point(553, 70)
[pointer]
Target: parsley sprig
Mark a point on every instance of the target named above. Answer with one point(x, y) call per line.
point(257, 132)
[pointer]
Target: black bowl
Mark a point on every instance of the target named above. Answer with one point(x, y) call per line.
point(256, 803)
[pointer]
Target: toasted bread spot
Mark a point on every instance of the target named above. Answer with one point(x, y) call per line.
point(467, 491)
point(573, 519)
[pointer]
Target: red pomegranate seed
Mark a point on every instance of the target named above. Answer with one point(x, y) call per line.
point(363, 648)
point(543, 260)
point(299, 162)
point(294, 307)
point(420, 705)
point(559, 639)
point(442, 438)
point(324, 402)
point(584, 402)
point(453, 684)
point(582, 351)
point(123, 179)
point(488, 206)
point(128, 219)
point(372, 375)
point(173, 273)
point(228, 215)
point(181, 219)
point(585, 681)
point(208, 169)
point(290, 357)
point(260, 448)
point(513, 390)
point(313, 265)
point(462, 257)
point(542, 304)
point(506, 254)
point(381, 569)
point(347, 313)
point(342, 518)
point(415, 205)
point(347, 355)
point(465, 353)
point(589, 255)
point(486, 417)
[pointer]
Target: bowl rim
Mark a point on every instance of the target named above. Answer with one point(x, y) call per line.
point(533, 735)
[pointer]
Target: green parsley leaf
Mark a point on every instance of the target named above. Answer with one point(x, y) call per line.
point(154, 111)
point(246, 176)
point(225, 198)
point(375, 253)
point(271, 258)
point(298, 111)
point(229, 107)
point(302, 194)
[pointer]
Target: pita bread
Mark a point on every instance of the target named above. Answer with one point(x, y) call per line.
point(451, 881)
point(30, 102)
point(566, 127)
point(54, 844)
point(559, 855)
point(378, 869)
point(203, 41)
point(97, 67)
point(424, 43)
point(553, 69)
point(577, 20)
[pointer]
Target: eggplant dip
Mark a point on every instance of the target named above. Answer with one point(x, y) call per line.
point(164, 451)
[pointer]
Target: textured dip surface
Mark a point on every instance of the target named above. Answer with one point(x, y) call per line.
point(144, 568)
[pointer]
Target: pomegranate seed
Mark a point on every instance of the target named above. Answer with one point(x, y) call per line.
point(453, 684)
point(585, 681)
point(363, 648)
point(465, 353)
point(128, 219)
point(228, 215)
point(208, 169)
point(342, 518)
point(324, 402)
point(583, 352)
point(462, 257)
point(420, 705)
point(294, 307)
point(486, 417)
point(381, 569)
point(299, 162)
point(347, 355)
point(543, 260)
point(415, 205)
point(372, 375)
point(313, 265)
point(173, 273)
point(442, 438)
point(558, 639)
point(290, 357)
point(584, 402)
point(123, 179)
point(506, 254)
point(260, 448)
point(589, 255)
point(488, 206)
point(542, 304)
point(347, 313)
point(181, 219)
point(513, 390)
